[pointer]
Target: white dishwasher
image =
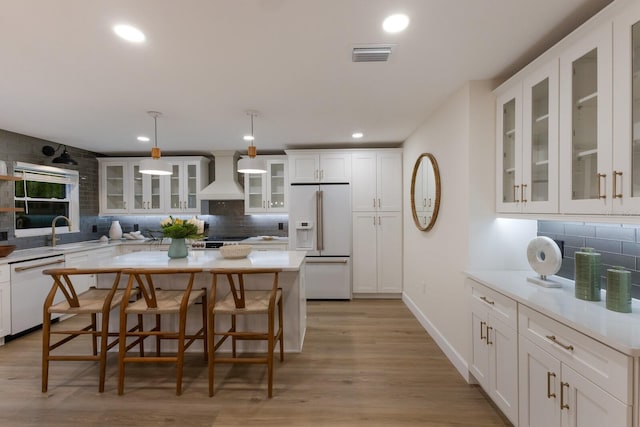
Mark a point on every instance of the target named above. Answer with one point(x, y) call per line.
point(29, 288)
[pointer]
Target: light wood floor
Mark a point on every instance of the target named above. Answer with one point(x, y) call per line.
point(365, 363)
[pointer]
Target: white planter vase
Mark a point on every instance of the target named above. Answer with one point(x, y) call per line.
point(115, 231)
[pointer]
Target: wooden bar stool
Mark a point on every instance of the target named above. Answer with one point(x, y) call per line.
point(157, 302)
point(242, 302)
point(93, 301)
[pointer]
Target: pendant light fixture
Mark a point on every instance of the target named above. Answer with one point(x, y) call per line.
point(251, 164)
point(155, 165)
point(64, 158)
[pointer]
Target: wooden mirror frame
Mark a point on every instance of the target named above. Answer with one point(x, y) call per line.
point(436, 205)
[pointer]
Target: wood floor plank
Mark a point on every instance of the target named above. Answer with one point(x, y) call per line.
point(364, 363)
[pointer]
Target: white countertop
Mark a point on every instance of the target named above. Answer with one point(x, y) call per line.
point(286, 260)
point(618, 330)
point(261, 240)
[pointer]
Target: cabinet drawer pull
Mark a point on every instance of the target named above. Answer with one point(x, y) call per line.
point(555, 341)
point(515, 196)
point(562, 404)
point(549, 375)
point(374, 202)
point(489, 328)
point(482, 337)
point(523, 193)
point(487, 300)
point(601, 195)
point(615, 190)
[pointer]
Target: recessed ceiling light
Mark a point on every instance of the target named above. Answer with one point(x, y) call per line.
point(143, 139)
point(395, 23)
point(357, 135)
point(248, 138)
point(129, 33)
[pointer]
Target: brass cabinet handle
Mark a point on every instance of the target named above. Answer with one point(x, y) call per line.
point(487, 300)
point(482, 323)
point(562, 404)
point(615, 191)
point(31, 267)
point(600, 194)
point(515, 196)
point(549, 375)
point(488, 329)
point(555, 341)
point(379, 204)
point(523, 193)
point(374, 202)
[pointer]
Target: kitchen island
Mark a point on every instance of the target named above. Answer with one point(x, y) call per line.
point(291, 280)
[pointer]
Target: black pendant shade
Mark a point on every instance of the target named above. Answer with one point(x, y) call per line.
point(64, 158)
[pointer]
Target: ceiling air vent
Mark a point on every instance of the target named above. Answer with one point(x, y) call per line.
point(371, 54)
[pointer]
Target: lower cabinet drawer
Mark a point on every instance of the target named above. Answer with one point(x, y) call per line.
point(602, 365)
point(502, 307)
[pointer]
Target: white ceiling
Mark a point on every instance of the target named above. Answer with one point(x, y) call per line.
point(65, 76)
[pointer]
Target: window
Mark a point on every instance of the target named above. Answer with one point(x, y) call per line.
point(44, 193)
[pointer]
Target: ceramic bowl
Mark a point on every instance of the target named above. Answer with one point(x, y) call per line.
point(235, 251)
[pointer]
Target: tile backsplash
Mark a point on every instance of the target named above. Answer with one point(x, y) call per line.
point(618, 244)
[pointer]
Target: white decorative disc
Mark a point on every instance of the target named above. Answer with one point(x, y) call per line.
point(544, 256)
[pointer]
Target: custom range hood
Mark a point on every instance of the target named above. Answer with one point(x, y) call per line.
point(225, 186)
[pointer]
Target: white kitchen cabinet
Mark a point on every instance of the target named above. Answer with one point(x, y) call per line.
point(309, 166)
point(5, 302)
point(189, 176)
point(586, 123)
point(114, 186)
point(124, 190)
point(568, 379)
point(377, 252)
point(625, 179)
point(267, 192)
point(147, 191)
point(83, 282)
point(527, 143)
point(376, 181)
point(494, 360)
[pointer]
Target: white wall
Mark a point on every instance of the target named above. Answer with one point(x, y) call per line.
point(460, 134)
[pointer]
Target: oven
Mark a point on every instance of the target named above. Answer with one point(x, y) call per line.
point(215, 242)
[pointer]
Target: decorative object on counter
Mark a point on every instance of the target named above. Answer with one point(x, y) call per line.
point(178, 248)
point(5, 250)
point(155, 165)
point(425, 192)
point(619, 289)
point(104, 239)
point(587, 274)
point(115, 231)
point(251, 164)
point(545, 258)
point(235, 251)
point(179, 230)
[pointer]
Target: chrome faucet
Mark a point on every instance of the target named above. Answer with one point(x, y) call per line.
point(53, 228)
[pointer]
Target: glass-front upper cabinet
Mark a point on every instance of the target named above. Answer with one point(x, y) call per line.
point(184, 184)
point(115, 187)
point(626, 130)
point(509, 150)
point(147, 191)
point(267, 193)
point(585, 131)
point(540, 140)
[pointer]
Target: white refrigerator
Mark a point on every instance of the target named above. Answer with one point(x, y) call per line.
point(320, 223)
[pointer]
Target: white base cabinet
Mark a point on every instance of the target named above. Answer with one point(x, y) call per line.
point(494, 362)
point(5, 302)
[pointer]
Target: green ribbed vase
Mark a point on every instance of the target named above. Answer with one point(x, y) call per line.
point(587, 274)
point(619, 290)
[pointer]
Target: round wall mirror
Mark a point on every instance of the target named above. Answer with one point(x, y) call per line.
point(425, 192)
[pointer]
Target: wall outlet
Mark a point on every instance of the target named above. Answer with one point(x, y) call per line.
point(4, 235)
point(136, 227)
point(94, 228)
point(281, 226)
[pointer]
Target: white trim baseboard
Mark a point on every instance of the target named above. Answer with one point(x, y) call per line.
point(454, 357)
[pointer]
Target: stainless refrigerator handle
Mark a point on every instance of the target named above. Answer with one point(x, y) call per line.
point(320, 215)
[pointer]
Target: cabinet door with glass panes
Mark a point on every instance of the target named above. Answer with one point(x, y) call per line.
point(147, 193)
point(625, 188)
point(585, 128)
point(114, 194)
point(184, 184)
point(267, 193)
point(509, 150)
point(539, 186)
